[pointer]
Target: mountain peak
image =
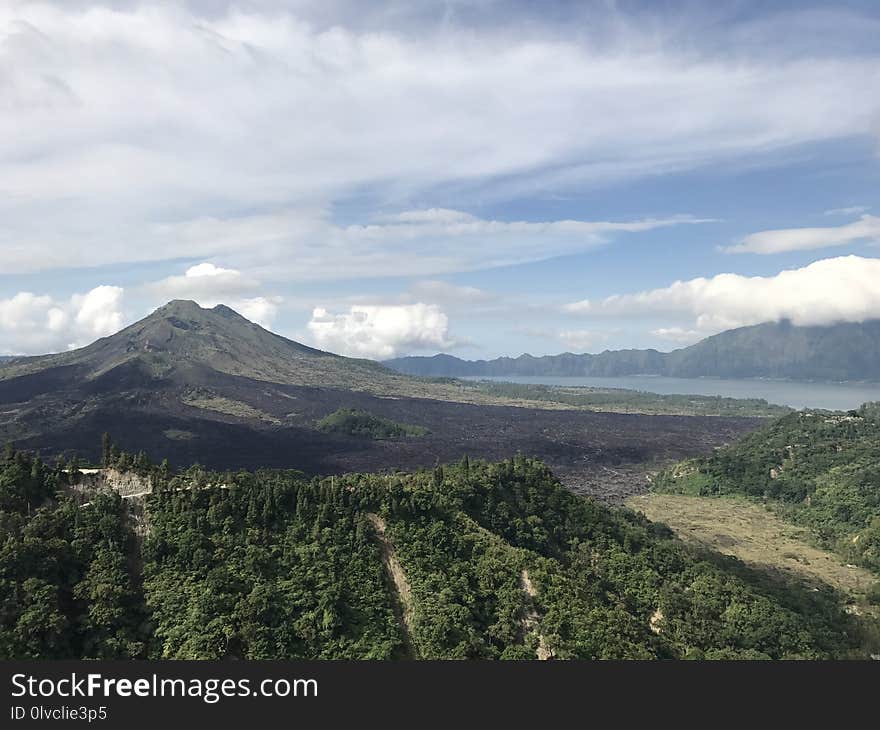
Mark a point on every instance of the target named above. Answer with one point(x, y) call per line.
point(180, 306)
point(193, 312)
point(181, 338)
point(225, 311)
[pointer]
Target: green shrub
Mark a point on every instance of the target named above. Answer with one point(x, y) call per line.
point(353, 422)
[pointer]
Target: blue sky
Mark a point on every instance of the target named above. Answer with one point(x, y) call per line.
point(480, 178)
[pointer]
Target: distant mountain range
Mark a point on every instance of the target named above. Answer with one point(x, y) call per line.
point(845, 351)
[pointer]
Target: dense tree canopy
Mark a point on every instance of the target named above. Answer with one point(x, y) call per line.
point(355, 422)
point(499, 561)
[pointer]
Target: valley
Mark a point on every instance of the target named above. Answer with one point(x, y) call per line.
point(205, 385)
point(251, 424)
point(257, 498)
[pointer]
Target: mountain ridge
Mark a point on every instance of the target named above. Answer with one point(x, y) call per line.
point(841, 352)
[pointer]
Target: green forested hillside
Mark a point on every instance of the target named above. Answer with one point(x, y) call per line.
point(474, 560)
point(819, 469)
point(67, 583)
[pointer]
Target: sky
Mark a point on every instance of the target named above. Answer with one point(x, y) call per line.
point(481, 178)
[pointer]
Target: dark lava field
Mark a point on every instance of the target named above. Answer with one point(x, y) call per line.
point(607, 455)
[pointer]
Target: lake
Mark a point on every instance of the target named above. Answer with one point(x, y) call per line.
point(832, 396)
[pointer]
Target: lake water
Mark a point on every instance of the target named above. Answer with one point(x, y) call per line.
point(832, 396)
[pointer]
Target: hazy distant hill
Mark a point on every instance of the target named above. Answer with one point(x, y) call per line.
point(845, 351)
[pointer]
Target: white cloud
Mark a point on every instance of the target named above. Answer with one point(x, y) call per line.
point(852, 210)
point(431, 215)
point(827, 291)
point(37, 324)
point(445, 244)
point(444, 293)
point(576, 340)
point(680, 335)
point(261, 310)
point(580, 340)
point(381, 332)
point(210, 285)
point(203, 280)
point(867, 228)
point(97, 313)
point(464, 225)
point(303, 244)
point(176, 126)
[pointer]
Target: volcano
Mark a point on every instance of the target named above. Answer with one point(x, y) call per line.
point(207, 386)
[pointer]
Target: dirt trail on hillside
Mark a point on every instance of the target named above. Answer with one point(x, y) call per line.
point(398, 578)
point(126, 484)
point(532, 620)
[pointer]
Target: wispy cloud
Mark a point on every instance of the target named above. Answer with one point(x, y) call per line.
point(193, 134)
point(303, 244)
point(852, 210)
point(867, 228)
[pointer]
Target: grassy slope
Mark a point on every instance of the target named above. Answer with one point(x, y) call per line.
point(817, 472)
point(736, 526)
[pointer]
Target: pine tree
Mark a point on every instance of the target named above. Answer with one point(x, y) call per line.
point(106, 449)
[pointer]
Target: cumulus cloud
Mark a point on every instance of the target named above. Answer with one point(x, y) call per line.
point(844, 289)
point(203, 280)
point(202, 130)
point(261, 310)
point(381, 331)
point(866, 229)
point(210, 285)
point(37, 324)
